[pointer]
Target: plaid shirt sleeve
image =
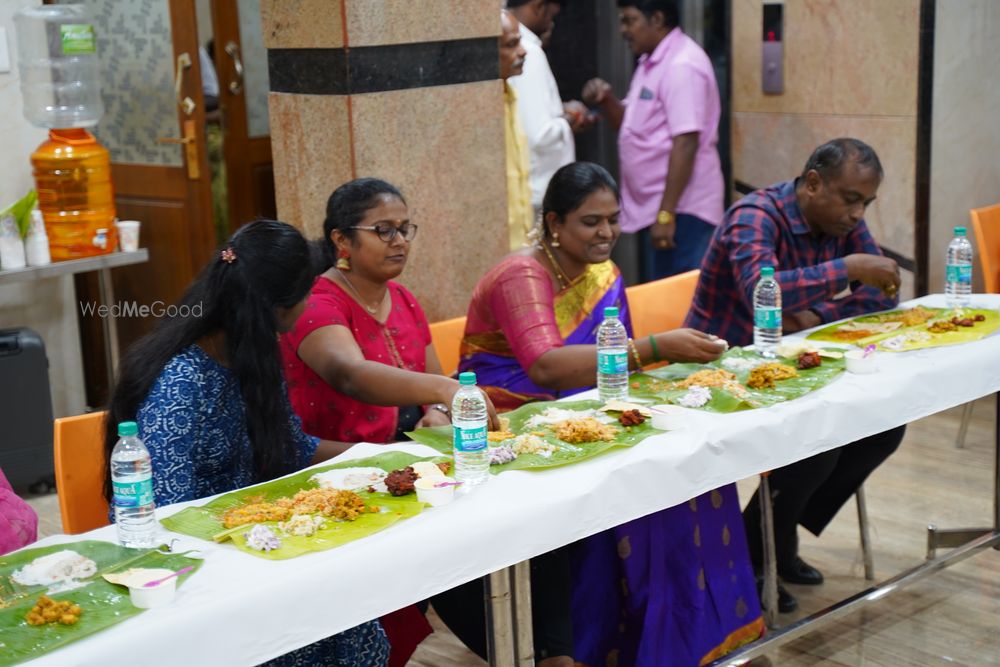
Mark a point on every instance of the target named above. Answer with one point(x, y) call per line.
point(863, 298)
point(753, 237)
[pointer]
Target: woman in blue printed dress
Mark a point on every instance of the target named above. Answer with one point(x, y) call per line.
point(207, 392)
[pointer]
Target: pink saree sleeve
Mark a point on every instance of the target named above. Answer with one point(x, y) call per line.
point(18, 521)
point(521, 300)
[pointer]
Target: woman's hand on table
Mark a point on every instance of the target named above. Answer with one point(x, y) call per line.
point(689, 345)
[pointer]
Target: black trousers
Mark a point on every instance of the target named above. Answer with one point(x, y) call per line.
point(463, 609)
point(811, 492)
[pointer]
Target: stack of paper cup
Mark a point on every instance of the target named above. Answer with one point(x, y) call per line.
point(128, 235)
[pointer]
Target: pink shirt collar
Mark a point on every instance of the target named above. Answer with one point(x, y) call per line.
point(661, 50)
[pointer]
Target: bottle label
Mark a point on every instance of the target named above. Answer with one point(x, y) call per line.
point(767, 318)
point(959, 273)
point(470, 439)
point(133, 494)
point(77, 39)
point(612, 363)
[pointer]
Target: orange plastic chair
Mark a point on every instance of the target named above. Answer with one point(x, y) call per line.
point(661, 305)
point(986, 224)
point(79, 458)
point(446, 336)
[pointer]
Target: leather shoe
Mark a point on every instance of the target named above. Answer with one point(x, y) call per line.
point(800, 572)
point(786, 601)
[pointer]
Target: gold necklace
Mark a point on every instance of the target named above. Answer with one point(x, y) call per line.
point(561, 276)
point(358, 296)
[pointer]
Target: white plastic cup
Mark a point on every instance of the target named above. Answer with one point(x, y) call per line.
point(128, 235)
point(670, 417)
point(435, 496)
point(858, 363)
point(155, 596)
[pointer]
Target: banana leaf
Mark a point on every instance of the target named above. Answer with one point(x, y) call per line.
point(205, 521)
point(917, 336)
point(104, 604)
point(654, 385)
point(440, 438)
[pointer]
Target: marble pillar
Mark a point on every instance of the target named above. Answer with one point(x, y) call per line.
point(405, 91)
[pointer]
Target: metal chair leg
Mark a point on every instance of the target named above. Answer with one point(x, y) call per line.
point(866, 542)
point(963, 427)
point(770, 589)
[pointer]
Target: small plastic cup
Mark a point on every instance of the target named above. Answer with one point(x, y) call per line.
point(155, 596)
point(858, 363)
point(128, 235)
point(435, 496)
point(669, 417)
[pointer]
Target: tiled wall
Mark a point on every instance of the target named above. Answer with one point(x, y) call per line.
point(965, 139)
point(47, 306)
point(850, 70)
point(442, 145)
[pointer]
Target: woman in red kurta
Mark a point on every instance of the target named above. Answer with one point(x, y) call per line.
point(359, 362)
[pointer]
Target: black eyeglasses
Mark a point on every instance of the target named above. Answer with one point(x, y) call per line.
point(387, 231)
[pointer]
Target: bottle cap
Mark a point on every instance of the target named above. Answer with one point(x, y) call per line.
point(960, 231)
point(467, 378)
point(128, 428)
point(767, 272)
point(611, 311)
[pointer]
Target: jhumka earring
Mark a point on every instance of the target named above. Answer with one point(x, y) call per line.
point(343, 260)
point(555, 239)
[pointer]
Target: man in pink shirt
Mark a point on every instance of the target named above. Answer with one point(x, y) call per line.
point(671, 177)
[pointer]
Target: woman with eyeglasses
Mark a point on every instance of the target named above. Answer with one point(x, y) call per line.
point(359, 362)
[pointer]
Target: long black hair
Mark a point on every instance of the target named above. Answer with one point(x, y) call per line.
point(346, 208)
point(269, 270)
point(571, 185)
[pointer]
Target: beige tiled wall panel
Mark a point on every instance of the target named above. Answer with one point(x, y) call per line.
point(965, 143)
point(310, 142)
point(841, 57)
point(452, 174)
point(769, 147)
point(320, 23)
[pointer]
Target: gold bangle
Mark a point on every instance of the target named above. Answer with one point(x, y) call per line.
point(635, 354)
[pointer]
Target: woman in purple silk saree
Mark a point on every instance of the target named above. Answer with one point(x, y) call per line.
point(18, 521)
point(674, 588)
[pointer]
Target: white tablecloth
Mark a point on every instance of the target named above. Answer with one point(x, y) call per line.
point(239, 609)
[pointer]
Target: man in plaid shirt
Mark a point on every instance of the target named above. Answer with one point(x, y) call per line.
point(812, 231)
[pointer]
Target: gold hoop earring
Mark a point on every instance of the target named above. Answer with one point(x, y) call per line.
point(555, 240)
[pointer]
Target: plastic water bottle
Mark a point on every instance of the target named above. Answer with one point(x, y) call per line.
point(57, 60)
point(468, 420)
point(958, 271)
point(132, 486)
point(612, 357)
point(767, 314)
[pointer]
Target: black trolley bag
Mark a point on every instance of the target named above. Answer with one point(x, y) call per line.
point(25, 411)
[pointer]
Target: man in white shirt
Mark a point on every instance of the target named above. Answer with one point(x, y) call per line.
point(548, 123)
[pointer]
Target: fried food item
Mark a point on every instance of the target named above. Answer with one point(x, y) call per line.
point(584, 429)
point(909, 318)
point(979, 317)
point(255, 510)
point(942, 326)
point(400, 482)
point(445, 467)
point(499, 436)
point(47, 610)
point(809, 360)
point(765, 375)
point(631, 418)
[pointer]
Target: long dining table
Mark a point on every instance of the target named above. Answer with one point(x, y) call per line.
point(239, 609)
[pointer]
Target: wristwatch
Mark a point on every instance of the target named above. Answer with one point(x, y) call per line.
point(664, 217)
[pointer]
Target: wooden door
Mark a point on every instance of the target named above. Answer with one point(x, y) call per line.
point(151, 84)
point(241, 65)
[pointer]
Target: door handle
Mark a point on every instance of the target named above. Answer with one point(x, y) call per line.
point(236, 85)
point(189, 141)
point(186, 104)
